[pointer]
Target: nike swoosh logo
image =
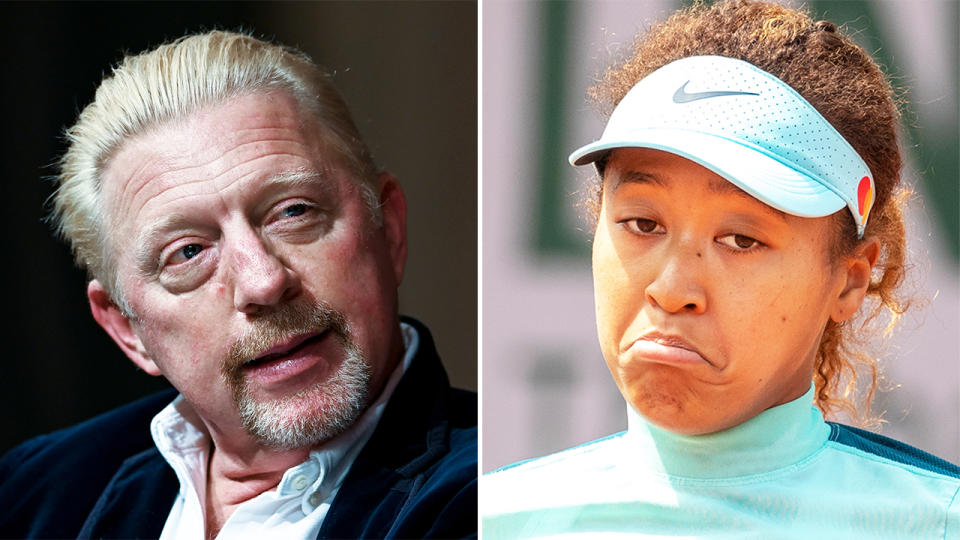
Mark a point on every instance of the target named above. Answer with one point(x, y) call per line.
point(682, 96)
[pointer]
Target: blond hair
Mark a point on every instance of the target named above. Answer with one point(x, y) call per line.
point(849, 89)
point(169, 83)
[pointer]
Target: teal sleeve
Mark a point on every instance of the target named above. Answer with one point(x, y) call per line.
point(952, 528)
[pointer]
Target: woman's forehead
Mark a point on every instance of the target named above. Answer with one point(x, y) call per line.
point(645, 166)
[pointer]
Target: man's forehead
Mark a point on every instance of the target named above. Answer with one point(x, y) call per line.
point(211, 144)
point(259, 110)
point(189, 215)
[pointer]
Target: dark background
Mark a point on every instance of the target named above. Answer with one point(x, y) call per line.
point(409, 74)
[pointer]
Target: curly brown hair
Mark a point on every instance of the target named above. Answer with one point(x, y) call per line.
point(849, 89)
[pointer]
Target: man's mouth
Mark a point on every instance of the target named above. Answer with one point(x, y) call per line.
point(292, 363)
point(287, 348)
point(297, 345)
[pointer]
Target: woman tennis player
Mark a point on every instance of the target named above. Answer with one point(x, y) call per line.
point(748, 209)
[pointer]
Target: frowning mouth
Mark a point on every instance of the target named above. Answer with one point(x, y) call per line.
point(666, 349)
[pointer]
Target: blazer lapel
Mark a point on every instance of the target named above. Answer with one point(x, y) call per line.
point(137, 500)
point(411, 435)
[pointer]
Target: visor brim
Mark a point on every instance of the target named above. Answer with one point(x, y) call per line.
point(769, 180)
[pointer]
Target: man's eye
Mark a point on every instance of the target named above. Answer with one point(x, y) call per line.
point(191, 250)
point(182, 254)
point(642, 226)
point(739, 242)
point(295, 210)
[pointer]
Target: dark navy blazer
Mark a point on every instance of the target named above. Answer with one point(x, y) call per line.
point(415, 478)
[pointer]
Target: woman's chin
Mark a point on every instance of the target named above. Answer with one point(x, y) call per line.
point(680, 415)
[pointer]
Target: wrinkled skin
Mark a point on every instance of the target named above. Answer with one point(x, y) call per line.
point(216, 221)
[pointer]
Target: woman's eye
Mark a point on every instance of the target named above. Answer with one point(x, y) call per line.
point(739, 242)
point(643, 226)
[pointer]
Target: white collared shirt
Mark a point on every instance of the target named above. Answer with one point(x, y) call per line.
point(297, 506)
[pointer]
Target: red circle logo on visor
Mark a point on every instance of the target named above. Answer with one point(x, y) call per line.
point(864, 197)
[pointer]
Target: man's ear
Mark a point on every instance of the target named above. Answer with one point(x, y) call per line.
point(118, 326)
point(393, 208)
point(857, 269)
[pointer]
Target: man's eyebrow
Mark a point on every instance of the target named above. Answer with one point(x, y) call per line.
point(297, 178)
point(149, 237)
point(152, 234)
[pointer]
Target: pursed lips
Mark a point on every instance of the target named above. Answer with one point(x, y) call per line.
point(667, 342)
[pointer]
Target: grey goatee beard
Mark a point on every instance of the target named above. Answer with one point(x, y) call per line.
point(311, 415)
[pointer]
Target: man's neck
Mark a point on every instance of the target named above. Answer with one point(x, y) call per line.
point(233, 479)
point(240, 468)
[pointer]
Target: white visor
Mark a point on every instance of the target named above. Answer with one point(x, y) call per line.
point(747, 126)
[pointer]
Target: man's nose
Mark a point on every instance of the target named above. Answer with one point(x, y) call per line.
point(678, 284)
point(261, 278)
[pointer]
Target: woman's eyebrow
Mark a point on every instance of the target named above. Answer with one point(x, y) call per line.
point(639, 177)
point(719, 186)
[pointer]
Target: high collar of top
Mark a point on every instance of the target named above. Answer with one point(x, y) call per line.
point(774, 439)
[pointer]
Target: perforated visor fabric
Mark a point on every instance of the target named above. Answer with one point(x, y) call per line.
point(744, 124)
point(748, 168)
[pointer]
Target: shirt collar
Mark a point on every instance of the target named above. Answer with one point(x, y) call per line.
point(184, 442)
point(776, 438)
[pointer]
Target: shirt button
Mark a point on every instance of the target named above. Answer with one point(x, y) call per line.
point(300, 482)
point(316, 499)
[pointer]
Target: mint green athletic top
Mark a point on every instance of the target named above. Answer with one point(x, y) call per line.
point(782, 474)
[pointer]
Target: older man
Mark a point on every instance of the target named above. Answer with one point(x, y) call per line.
point(243, 245)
